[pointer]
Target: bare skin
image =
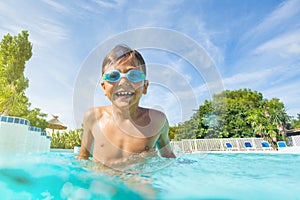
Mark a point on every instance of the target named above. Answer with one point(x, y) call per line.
point(124, 129)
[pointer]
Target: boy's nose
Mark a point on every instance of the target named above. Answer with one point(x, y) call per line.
point(123, 80)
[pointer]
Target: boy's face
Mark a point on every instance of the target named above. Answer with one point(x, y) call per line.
point(124, 93)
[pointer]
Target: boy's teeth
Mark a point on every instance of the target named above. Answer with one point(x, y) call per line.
point(124, 93)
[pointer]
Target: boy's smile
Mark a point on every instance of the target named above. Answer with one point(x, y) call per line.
point(124, 93)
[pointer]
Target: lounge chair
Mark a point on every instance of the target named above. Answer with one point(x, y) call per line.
point(248, 145)
point(266, 145)
point(229, 146)
point(281, 144)
point(284, 148)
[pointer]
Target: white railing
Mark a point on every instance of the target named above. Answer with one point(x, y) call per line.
point(216, 144)
point(296, 140)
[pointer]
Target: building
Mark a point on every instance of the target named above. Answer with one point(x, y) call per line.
point(293, 132)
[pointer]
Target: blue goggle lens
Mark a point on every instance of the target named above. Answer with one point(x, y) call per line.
point(132, 75)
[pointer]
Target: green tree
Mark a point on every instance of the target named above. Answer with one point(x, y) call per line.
point(296, 122)
point(15, 51)
point(277, 118)
point(56, 141)
point(239, 113)
point(66, 140)
point(173, 130)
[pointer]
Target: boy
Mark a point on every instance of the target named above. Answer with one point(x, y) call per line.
point(123, 129)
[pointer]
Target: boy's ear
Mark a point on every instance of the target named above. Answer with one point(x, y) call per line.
point(146, 84)
point(103, 87)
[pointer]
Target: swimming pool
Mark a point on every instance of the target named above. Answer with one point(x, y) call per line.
point(190, 176)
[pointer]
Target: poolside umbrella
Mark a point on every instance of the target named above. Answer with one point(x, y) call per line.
point(56, 124)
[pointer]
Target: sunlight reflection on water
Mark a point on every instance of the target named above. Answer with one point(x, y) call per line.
point(207, 175)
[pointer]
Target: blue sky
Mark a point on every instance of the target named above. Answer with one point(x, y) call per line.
point(245, 44)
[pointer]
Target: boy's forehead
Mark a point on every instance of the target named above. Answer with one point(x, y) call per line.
point(122, 67)
point(124, 64)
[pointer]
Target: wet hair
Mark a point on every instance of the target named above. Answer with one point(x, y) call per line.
point(121, 55)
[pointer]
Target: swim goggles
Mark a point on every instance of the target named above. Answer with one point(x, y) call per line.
point(132, 75)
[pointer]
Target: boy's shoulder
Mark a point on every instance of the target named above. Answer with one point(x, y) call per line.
point(156, 116)
point(156, 113)
point(158, 120)
point(97, 112)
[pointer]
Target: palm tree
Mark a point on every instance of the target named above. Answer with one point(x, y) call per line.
point(277, 116)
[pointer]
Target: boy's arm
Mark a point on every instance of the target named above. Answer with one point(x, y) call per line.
point(163, 142)
point(86, 139)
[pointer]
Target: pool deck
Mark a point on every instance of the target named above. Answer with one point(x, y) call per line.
point(285, 150)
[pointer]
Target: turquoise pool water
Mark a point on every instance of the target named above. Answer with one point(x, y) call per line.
point(190, 176)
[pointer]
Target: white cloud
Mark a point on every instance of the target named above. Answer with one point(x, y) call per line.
point(262, 78)
point(52, 29)
point(285, 11)
point(284, 45)
point(58, 7)
point(44, 30)
point(282, 22)
point(284, 14)
point(107, 4)
point(288, 94)
point(244, 79)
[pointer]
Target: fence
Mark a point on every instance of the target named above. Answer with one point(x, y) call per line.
point(296, 140)
point(216, 144)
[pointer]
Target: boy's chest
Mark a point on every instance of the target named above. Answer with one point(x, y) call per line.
point(116, 141)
